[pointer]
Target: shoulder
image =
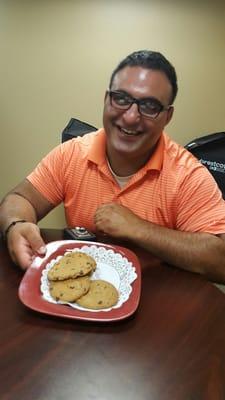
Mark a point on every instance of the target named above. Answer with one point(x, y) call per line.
point(187, 173)
point(80, 143)
point(177, 158)
point(74, 149)
point(184, 171)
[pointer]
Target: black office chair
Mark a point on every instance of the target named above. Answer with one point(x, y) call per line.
point(210, 150)
point(75, 128)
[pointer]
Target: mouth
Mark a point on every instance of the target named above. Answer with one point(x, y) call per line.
point(129, 132)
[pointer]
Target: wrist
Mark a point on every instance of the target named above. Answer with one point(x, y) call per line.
point(140, 231)
point(11, 225)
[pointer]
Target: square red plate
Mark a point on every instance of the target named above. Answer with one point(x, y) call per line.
point(31, 296)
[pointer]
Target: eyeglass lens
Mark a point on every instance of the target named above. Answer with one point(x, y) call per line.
point(148, 107)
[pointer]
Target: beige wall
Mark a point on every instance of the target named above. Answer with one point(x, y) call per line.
point(56, 60)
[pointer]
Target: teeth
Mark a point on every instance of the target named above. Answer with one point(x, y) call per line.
point(128, 132)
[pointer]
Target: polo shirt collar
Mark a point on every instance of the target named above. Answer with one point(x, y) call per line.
point(97, 151)
point(156, 159)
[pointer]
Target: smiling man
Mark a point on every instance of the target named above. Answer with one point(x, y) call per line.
point(128, 180)
point(137, 108)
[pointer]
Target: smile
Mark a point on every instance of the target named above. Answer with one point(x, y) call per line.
point(129, 132)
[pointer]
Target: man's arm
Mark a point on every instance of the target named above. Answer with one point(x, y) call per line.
point(197, 252)
point(23, 239)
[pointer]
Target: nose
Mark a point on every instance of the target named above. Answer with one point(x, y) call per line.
point(132, 115)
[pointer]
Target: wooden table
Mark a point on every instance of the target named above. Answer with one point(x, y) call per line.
point(173, 348)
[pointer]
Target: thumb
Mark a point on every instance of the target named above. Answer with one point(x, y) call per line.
point(42, 250)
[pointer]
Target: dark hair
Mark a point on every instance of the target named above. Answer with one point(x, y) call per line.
point(149, 60)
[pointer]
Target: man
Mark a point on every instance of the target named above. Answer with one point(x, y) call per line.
point(129, 180)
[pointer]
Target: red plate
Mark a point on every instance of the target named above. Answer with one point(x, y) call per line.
point(31, 296)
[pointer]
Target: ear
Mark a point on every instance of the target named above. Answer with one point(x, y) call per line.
point(169, 114)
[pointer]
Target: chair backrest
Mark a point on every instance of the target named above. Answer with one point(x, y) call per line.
point(210, 150)
point(75, 128)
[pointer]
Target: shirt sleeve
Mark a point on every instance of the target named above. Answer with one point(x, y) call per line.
point(47, 177)
point(200, 205)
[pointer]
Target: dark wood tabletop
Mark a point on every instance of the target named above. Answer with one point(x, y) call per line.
point(172, 348)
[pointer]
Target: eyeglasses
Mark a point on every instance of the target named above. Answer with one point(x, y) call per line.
point(149, 107)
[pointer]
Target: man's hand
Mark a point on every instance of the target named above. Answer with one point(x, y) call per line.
point(116, 220)
point(24, 243)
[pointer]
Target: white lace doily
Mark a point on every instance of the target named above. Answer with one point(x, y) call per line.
point(111, 267)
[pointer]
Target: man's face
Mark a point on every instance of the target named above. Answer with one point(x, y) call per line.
point(129, 133)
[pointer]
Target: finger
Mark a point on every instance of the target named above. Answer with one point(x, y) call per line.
point(35, 240)
point(22, 254)
point(23, 260)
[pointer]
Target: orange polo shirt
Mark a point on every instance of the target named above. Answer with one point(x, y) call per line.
point(173, 189)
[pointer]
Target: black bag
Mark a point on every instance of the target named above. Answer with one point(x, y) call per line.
point(210, 150)
point(75, 128)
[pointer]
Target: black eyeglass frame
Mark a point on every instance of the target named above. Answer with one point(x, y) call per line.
point(138, 102)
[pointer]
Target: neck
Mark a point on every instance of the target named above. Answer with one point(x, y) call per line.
point(124, 166)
